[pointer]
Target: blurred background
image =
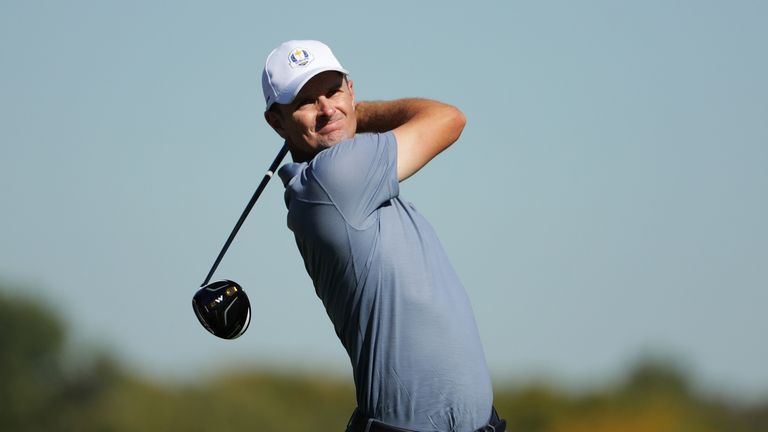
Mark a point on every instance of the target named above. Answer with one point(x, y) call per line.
point(605, 209)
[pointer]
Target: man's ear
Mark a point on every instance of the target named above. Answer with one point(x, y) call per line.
point(351, 91)
point(276, 122)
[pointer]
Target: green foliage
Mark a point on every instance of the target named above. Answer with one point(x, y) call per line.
point(30, 341)
point(38, 393)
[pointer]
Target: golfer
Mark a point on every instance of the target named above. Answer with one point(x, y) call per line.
point(394, 299)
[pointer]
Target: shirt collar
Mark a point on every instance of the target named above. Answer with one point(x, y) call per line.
point(288, 171)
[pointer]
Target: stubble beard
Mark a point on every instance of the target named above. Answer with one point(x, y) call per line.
point(335, 137)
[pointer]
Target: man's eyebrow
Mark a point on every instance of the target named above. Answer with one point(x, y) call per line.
point(335, 86)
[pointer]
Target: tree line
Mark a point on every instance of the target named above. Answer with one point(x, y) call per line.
point(42, 390)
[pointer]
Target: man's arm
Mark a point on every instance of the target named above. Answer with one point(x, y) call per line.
point(423, 128)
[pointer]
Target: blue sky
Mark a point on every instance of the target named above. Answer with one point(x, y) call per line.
point(607, 199)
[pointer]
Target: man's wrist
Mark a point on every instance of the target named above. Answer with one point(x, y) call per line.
point(363, 113)
point(381, 116)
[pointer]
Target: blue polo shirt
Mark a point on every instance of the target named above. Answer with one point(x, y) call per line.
point(394, 299)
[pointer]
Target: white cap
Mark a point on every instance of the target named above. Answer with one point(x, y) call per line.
point(291, 65)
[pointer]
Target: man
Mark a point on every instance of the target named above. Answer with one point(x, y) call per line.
point(395, 302)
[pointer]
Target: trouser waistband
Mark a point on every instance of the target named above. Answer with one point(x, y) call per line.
point(360, 423)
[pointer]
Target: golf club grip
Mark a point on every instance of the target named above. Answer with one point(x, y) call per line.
point(247, 210)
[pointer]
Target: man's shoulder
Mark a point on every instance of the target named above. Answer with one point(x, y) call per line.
point(350, 160)
point(361, 138)
point(354, 150)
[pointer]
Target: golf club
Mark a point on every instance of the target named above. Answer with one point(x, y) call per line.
point(222, 306)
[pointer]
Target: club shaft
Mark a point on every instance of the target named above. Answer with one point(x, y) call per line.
point(247, 210)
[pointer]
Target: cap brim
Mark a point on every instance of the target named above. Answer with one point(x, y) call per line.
point(299, 82)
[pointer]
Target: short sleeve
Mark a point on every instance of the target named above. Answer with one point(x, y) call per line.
point(358, 175)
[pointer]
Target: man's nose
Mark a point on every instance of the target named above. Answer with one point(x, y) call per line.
point(324, 106)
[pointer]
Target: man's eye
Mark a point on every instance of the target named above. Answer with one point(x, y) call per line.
point(333, 92)
point(303, 102)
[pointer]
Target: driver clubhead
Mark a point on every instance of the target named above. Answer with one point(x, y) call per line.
point(223, 309)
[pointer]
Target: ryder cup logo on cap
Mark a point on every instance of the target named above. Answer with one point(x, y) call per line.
point(291, 65)
point(299, 57)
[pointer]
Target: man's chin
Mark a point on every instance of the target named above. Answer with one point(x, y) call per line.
point(332, 139)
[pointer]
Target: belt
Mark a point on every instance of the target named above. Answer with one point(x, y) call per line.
point(359, 423)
